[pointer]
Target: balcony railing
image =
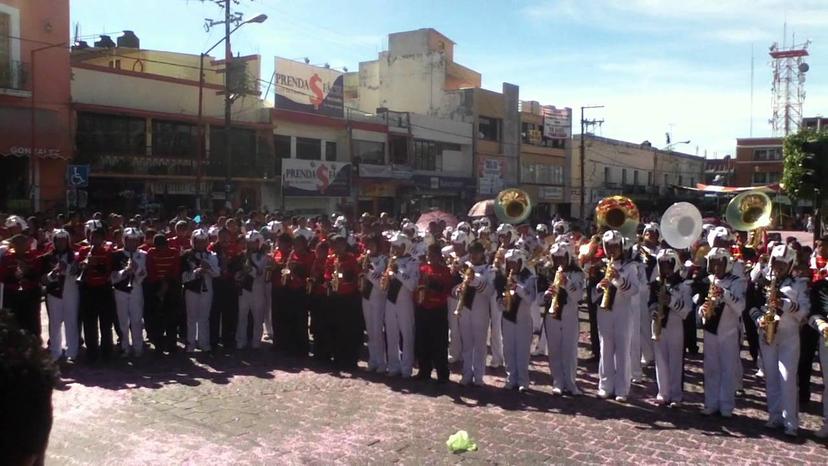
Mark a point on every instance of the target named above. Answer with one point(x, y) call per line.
point(14, 75)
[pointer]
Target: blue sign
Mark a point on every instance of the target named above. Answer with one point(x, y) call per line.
point(77, 176)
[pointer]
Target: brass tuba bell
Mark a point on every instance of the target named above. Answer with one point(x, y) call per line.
point(617, 213)
point(748, 211)
point(512, 206)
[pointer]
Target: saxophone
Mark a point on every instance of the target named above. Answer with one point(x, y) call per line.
point(286, 269)
point(605, 299)
point(769, 318)
point(499, 257)
point(661, 311)
point(509, 292)
point(336, 276)
point(710, 302)
point(366, 261)
point(468, 276)
point(385, 281)
point(556, 307)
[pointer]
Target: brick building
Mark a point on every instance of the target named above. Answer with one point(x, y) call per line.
point(758, 161)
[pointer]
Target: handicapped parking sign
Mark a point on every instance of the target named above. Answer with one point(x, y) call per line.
point(77, 176)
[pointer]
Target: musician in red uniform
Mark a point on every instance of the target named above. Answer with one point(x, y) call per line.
point(224, 313)
point(322, 346)
point(431, 316)
point(97, 303)
point(20, 274)
point(341, 274)
point(164, 284)
point(295, 299)
point(181, 240)
point(284, 246)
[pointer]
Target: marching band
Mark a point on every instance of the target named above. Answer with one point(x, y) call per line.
point(420, 296)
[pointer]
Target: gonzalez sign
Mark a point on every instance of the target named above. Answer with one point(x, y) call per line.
point(309, 89)
point(557, 122)
point(315, 178)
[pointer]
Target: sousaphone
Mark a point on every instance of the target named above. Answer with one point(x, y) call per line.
point(681, 225)
point(749, 211)
point(512, 206)
point(618, 213)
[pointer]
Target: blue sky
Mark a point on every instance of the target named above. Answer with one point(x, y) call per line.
point(657, 65)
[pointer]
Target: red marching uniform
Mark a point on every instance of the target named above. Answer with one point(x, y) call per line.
point(163, 286)
point(341, 320)
point(97, 303)
point(20, 275)
point(224, 314)
point(293, 307)
point(431, 320)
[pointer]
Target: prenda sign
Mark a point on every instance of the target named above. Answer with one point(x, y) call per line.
point(309, 89)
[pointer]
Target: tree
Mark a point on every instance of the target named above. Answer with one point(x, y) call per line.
point(798, 184)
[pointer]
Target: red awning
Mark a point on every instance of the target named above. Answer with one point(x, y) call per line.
point(16, 133)
point(709, 188)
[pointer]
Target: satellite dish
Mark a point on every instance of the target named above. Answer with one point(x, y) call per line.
point(804, 67)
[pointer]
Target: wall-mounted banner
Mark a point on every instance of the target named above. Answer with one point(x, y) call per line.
point(309, 89)
point(557, 122)
point(315, 178)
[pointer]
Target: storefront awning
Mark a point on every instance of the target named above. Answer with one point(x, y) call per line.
point(16, 133)
point(709, 188)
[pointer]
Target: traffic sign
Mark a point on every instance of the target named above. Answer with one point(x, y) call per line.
point(77, 176)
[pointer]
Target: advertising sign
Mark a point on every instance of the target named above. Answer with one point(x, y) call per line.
point(557, 122)
point(315, 178)
point(309, 89)
point(491, 174)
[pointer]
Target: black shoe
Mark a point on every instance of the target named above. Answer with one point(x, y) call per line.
point(422, 375)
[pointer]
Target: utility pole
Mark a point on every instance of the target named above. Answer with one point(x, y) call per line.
point(228, 56)
point(582, 161)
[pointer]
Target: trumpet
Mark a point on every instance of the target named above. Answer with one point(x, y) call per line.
point(661, 310)
point(385, 281)
point(468, 276)
point(509, 292)
point(286, 270)
point(556, 307)
point(770, 322)
point(608, 274)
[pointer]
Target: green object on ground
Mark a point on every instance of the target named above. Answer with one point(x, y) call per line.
point(460, 442)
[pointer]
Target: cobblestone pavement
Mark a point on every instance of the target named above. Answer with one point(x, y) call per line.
point(260, 408)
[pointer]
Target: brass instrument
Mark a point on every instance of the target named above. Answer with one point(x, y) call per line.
point(661, 310)
point(499, 257)
point(390, 270)
point(335, 277)
point(681, 225)
point(22, 272)
point(130, 270)
point(770, 322)
point(468, 276)
point(509, 292)
point(82, 266)
point(605, 299)
point(512, 206)
point(556, 307)
point(618, 213)
point(366, 261)
point(286, 271)
point(420, 294)
point(749, 211)
point(711, 301)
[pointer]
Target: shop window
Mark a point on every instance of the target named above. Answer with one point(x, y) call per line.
point(330, 151)
point(398, 150)
point(369, 152)
point(101, 134)
point(308, 149)
point(426, 156)
point(174, 139)
point(489, 128)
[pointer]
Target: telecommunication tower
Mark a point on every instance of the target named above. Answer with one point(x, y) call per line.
point(789, 68)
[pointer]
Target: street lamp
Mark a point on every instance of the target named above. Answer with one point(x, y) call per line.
point(200, 167)
point(674, 144)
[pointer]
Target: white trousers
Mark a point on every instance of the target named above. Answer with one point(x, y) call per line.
point(198, 318)
point(646, 330)
point(399, 323)
point(474, 328)
point(496, 331)
point(669, 359)
point(373, 311)
point(720, 356)
point(781, 361)
point(517, 339)
point(562, 338)
point(252, 303)
point(614, 334)
point(455, 349)
point(130, 309)
point(268, 315)
point(635, 343)
point(63, 315)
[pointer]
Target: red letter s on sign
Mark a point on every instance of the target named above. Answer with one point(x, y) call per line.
point(316, 88)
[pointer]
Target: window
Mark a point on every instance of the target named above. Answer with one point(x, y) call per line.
point(635, 177)
point(173, 139)
point(531, 133)
point(692, 182)
point(649, 178)
point(308, 149)
point(666, 180)
point(680, 179)
point(762, 178)
point(398, 150)
point(5, 50)
point(623, 176)
point(281, 148)
point(541, 173)
point(101, 134)
point(488, 129)
point(369, 152)
point(607, 175)
point(243, 149)
point(330, 151)
point(426, 156)
point(768, 153)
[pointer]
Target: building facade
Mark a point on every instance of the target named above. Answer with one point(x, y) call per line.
point(719, 171)
point(758, 161)
point(546, 135)
point(34, 103)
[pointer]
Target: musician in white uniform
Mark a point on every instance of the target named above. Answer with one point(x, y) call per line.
point(506, 235)
point(130, 269)
point(819, 321)
point(251, 279)
point(721, 315)
point(668, 325)
point(399, 307)
point(201, 266)
point(646, 252)
point(787, 306)
point(616, 316)
point(517, 318)
point(62, 297)
point(561, 323)
point(474, 313)
point(457, 254)
point(373, 303)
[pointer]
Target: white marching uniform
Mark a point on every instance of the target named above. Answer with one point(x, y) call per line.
point(63, 311)
point(199, 302)
point(820, 323)
point(669, 349)
point(496, 329)
point(252, 302)
point(399, 319)
point(517, 335)
point(636, 335)
point(130, 306)
point(615, 329)
point(721, 349)
point(455, 350)
point(646, 345)
point(781, 358)
point(373, 311)
point(474, 324)
point(562, 335)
